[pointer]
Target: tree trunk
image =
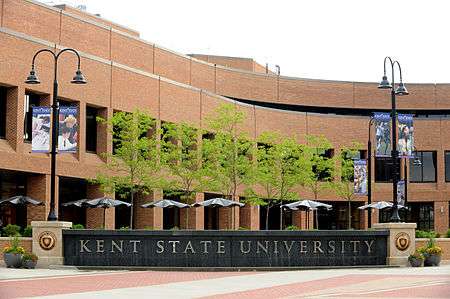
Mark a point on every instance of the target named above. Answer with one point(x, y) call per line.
point(349, 214)
point(281, 216)
point(131, 211)
point(267, 218)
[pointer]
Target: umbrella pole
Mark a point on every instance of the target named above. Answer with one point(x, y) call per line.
point(317, 220)
point(104, 218)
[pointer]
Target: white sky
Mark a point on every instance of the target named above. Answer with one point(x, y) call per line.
point(325, 39)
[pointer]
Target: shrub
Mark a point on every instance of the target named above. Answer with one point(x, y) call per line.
point(425, 234)
point(175, 228)
point(416, 255)
point(434, 250)
point(14, 247)
point(243, 228)
point(11, 230)
point(291, 227)
point(448, 233)
point(77, 226)
point(29, 256)
point(27, 231)
point(124, 228)
point(148, 228)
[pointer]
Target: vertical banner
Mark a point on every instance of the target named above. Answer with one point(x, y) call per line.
point(68, 130)
point(405, 135)
point(360, 177)
point(401, 193)
point(40, 138)
point(382, 134)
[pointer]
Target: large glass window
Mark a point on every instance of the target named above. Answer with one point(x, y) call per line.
point(383, 170)
point(447, 166)
point(91, 129)
point(424, 172)
point(31, 100)
point(2, 112)
point(418, 212)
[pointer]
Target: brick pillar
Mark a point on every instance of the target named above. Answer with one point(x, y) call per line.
point(99, 217)
point(193, 217)
point(38, 187)
point(441, 215)
point(298, 219)
point(375, 216)
point(15, 117)
point(148, 217)
point(224, 218)
point(362, 218)
point(104, 135)
point(249, 217)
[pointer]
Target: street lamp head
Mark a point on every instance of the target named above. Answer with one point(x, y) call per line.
point(401, 90)
point(78, 78)
point(32, 78)
point(384, 84)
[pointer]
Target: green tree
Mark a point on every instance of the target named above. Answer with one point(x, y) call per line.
point(281, 164)
point(182, 160)
point(227, 156)
point(343, 184)
point(322, 166)
point(134, 166)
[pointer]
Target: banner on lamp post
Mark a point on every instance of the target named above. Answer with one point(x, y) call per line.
point(40, 138)
point(405, 135)
point(382, 134)
point(401, 192)
point(360, 177)
point(68, 130)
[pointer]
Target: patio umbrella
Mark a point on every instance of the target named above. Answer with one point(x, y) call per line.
point(105, 203)
point(380, 205)
point(219, 202)
point(21, 200)
point(167, 203)
point(310, 205)
point(77, 203)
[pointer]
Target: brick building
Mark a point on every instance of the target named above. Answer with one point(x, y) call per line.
point(125, 72)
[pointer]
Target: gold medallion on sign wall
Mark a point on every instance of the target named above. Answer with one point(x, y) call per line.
point(47, 240)
point(402, 241)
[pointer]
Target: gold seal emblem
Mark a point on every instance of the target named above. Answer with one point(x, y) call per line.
point(47, 240)
point(402, 241)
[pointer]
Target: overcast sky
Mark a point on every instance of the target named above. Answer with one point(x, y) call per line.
point(335, 39)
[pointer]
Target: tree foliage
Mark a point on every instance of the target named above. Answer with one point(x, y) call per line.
point(134, 166)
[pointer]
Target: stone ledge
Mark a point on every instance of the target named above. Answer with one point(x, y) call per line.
point(395, 225)
point(51, 224)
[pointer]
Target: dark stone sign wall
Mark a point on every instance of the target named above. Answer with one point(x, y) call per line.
point(224, 248)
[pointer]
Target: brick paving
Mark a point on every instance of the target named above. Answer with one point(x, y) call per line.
point(368, 283)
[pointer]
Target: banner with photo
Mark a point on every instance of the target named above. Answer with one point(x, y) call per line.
point(40, 124)
point(360, 177)
point(401, 192)
point(405, 136)
point(68, 130)
point(382, 134)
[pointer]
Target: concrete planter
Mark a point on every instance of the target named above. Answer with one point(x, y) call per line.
point(432, 260)
point(415, 262)
point(12, 260)
point(29, 264)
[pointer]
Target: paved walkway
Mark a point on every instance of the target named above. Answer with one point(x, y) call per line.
point(343, 283)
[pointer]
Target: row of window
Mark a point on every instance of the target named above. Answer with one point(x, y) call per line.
point(422, 172)
point(33, 100)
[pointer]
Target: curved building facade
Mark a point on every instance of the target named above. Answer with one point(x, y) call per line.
point(126, 72)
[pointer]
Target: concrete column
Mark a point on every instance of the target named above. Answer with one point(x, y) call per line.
point(401, 241)
point(148, 217)
point(48, 243)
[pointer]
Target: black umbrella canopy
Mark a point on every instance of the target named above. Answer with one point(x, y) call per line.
point(77, 203)
point(105, 202)
point(218, 202)
point(21, 200)
point(165, 203)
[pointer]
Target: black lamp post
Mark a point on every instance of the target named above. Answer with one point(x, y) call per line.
point(400, 90)
point(369, 175)
point(33, 79)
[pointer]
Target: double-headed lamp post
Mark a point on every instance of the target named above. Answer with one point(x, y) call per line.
point(400, 90)
point(33, 79)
